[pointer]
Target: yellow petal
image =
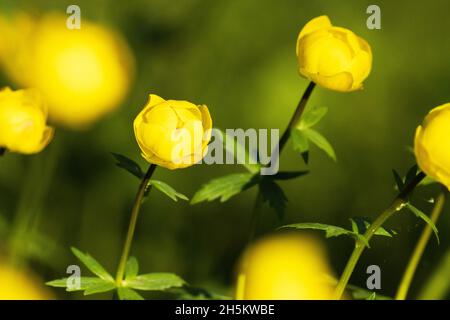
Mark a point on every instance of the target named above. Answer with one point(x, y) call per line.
point(315, 24)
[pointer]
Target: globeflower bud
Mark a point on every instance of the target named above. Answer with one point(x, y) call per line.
point(285, 267)
point(83, 74)
point(333, 57)
point(432, 144)
point(173, 134)
point(23, 117)
point(19, 285)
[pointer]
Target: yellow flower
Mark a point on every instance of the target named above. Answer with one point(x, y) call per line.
point(83, 74)
point(20, 285)
point(23, 117)
point(432, 144)
point(173, 134)
point(333, 57)
point(285, 267)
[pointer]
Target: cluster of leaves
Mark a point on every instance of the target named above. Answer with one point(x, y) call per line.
point(104, 282)
point(224, 188)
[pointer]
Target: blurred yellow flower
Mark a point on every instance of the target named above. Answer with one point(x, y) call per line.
point(23, 117)
point(21, 285)
point(432, 144)
point(171, 133)
point(285, 267)
point(333, 57)
point(84, 73)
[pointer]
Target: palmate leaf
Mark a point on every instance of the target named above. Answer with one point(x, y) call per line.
point(418, 213)
point(129, 165)
point(330, 231)
point(92, 264)
point(154, 281)
point(301, 144)
point(90, 285)
point(167, 190)
point(320, 141)
point(273, 194)
point(225, 187)
point(360, 225)
point(311, 116)
point(131, 268)
point(287, 175)
point(128, 294)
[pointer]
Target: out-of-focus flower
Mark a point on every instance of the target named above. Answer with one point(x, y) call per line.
point(18, 284)
point(171, 133)
point(23, 118)
point(83, 74)
point(432, 144)
point(333, 57)
point(286, 266)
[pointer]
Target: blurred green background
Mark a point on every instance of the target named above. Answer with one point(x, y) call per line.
point(238, 57)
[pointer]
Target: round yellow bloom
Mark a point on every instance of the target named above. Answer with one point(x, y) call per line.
point(83, 74)
point(432, 144)
point(333, 57)
point(173, 134)
point(285, 267)
point(23, 117)
point(21, 285)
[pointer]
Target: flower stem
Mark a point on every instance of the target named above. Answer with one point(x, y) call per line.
point(283, 140)
point(132, 226)
point(396, 205)
point(419, 249)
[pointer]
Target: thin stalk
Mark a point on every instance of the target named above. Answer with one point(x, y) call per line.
point(397, 204)
point(419, 249)
point(132, 226)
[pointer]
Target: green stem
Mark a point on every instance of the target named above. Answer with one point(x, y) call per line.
point(419, 249)
point(132, 226)
point(396, 205)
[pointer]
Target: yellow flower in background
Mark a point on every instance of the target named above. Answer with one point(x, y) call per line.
point(432, 144)
point(21, 285)
point(171, 133)
point(333, 57)
point(83, 74)
point(23, 118)
point(285, 267)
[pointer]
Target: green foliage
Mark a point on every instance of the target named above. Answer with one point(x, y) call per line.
point(303, 134)
point(359, 226)
point(167, 190)
point(129, 165)
point(418, 213)
point(235, 148)
point(225, 187)
point(104, 282)
point(273, 194)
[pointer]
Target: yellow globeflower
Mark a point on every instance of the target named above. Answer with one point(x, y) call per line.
point(23, 117)
point(21, 285)
point(171, 133)
point(333, 57)
point(285, 267)
point(84, 73)
point(432, 144)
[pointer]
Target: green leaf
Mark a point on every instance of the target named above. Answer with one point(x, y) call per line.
point(128, 294)
point(427, 181)
point(372, 296)
point(129, 165)
point(287, 175)
point(411, 174)
point(360, 226)
point(312, 116)
point(398, 180)
point(167, 190)
point(321, 142)
point(131, 268)
point(225, 187)
point(330, 231)
point(300, 143)
point(235, 148)
point(92, 264)
point(273, 194)
point(425, 218)
point(90, 285)
point(154, 281)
